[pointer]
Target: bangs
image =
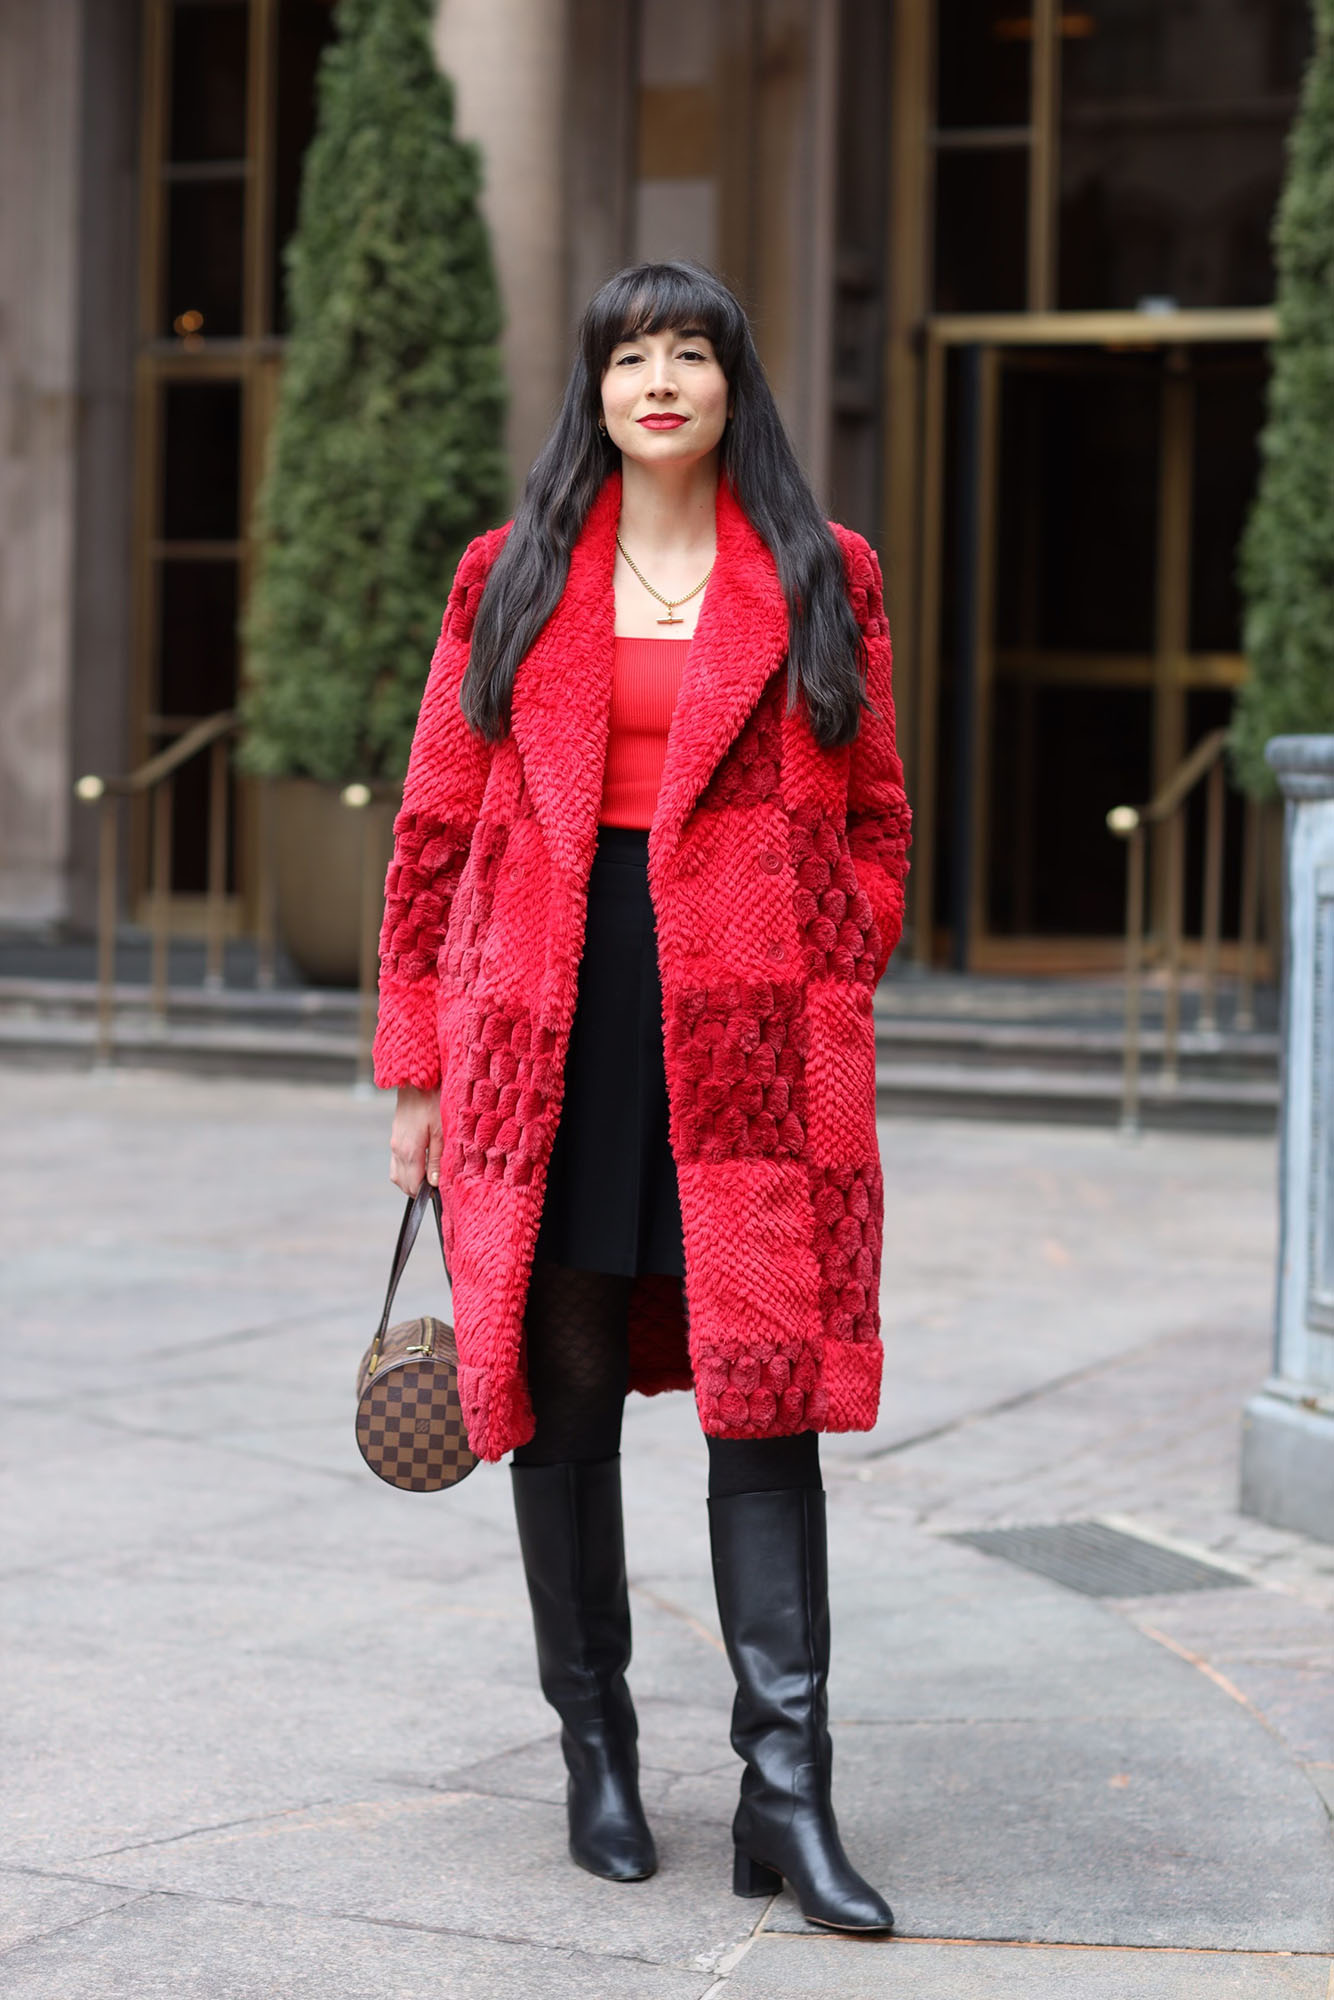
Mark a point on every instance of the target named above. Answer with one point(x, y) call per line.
point(655, 298)
point(754, 459)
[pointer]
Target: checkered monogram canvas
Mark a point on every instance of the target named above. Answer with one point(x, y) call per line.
point(410, 1426)
point(409, 1419)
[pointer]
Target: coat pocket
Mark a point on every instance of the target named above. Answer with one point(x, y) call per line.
point(840, 1073)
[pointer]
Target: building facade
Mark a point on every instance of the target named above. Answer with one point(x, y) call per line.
point(1008, 263)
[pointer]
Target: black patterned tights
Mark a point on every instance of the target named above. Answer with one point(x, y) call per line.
point(575, 1335)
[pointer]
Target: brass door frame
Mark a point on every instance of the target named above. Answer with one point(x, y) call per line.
point(913, 374)
point(251, 359)
point(1171, 670)
point(916, 343)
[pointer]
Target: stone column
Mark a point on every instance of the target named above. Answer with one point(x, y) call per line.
point(1287, 1458)
point(40, 52)
point(600, 132)
point(101, 668)
point(506, 59)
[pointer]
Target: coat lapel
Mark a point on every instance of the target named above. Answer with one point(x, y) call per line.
point(562, 691)
point(561, 704)
point(740, 638)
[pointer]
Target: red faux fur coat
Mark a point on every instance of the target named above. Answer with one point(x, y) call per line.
point(776, 871)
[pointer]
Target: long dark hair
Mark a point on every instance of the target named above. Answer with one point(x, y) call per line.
point(825, 649)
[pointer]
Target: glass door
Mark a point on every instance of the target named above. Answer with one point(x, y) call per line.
point(1094, 279)
point(228, 108)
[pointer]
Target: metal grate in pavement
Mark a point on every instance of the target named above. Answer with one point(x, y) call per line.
point(1100, 1561)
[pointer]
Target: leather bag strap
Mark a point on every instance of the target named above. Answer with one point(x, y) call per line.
point(426, 1195)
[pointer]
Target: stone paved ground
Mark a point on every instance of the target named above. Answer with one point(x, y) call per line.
point(273, 1730)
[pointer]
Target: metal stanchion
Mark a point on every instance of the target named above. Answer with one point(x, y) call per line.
point(1125, 822)
point(215, 918)
point(265, 916)
point(161, 894)
point(1176, 869)
point(1213, 900)
point(1250, 913)
point(92, 791)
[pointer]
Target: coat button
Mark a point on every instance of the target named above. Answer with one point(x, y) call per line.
point(770, 862)
point(777, 949)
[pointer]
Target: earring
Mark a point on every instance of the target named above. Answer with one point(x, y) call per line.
point(602, 426)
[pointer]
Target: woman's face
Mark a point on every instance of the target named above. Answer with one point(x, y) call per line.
point(664, 397)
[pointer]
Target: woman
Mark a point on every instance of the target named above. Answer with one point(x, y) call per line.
point(647, 874)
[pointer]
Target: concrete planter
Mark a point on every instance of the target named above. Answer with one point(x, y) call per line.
point(1287, 1458)
point(318, 861)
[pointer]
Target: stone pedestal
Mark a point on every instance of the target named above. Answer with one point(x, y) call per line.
point(1287, 1459)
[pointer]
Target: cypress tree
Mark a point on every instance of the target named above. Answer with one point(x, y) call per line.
point(386, 454)
point(1287, 552)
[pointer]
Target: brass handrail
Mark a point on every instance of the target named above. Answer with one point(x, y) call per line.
point(1202, 758)
point(196, 738)
point(1167, 809)
point(153, 780)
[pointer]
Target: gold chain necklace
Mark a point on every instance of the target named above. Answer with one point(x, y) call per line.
point(670, 602)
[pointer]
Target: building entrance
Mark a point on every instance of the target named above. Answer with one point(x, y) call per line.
point(1081, 292)
point(1073, 277)
point(1079, 606)
point(227, 112)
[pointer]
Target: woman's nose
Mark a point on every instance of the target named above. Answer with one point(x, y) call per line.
point(662, 383)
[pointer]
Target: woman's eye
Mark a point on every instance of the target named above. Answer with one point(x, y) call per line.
point(693, 354)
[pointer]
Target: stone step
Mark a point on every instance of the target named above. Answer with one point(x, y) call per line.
point(927, 1068)
point(913, 993)
point(917, 1089)
point(1084, 1049)
point(276, 1006)
point(1029, 1093)
point(293, 1052)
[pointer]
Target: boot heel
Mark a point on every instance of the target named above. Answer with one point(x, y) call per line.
point(753, 1878)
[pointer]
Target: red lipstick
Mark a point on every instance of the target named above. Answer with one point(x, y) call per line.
point(662, 422)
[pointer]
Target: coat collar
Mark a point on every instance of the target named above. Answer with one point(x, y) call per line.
point(561, 702)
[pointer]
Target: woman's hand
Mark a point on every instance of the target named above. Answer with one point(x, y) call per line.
point(414, 1143)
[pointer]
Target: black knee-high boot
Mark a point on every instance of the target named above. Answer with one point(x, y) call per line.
point(770, 1572)
point(572, 1540)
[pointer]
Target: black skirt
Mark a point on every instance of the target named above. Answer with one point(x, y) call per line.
point(611, 1201)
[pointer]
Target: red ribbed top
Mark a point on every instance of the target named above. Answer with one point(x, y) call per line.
point(646, 679)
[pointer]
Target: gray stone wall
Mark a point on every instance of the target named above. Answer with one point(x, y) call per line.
point(100, 669)
point(40, 54)
point(507, 59)
point(68, 138)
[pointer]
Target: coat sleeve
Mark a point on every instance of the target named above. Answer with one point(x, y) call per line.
point(879, 817)
point(442, 797)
